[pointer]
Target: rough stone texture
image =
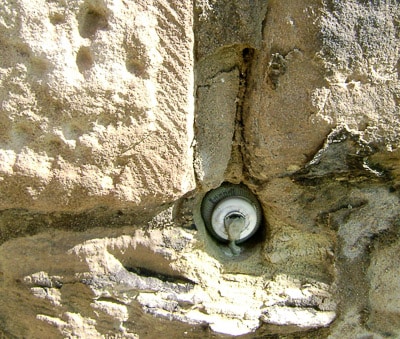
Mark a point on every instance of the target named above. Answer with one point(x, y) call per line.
point(280, 131)
point(100, 226)
point(383, 274)
point(216, 92)
point(360, 53)
point(96, 103)
point(98, 286)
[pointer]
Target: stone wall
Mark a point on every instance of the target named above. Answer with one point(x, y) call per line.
point(117, 117)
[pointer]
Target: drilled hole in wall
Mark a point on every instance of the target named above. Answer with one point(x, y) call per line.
point(135, 67)
point(84, 59)
point(57, 18)
point(39, 66)
point(92, 21)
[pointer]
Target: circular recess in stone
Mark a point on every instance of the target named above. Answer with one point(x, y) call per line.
point(228, 204)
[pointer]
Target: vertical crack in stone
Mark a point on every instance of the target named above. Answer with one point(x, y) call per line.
point(236, 169)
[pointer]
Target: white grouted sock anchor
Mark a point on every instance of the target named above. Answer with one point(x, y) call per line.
point(234, 225)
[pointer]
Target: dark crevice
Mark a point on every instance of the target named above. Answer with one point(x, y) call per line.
point(110, 300)
point(342, 157)
point(386, 237)
point(35, 222)
point(145, 272)
point(242, 107)
point(339, 214)
point(304, 304)
point(237, 166)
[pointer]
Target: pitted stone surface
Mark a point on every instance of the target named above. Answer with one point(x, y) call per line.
point(96, 103)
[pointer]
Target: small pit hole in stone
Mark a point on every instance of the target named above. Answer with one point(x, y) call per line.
point(39, 66)
point(84, 59)
point(92, 21)
point(247, 54)
point(23, 50)
point(57, 18)
point(135, 67)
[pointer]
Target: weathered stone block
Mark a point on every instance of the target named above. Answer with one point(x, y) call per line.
point(96, 103)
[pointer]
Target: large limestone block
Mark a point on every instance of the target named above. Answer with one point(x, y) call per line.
point(96, 103)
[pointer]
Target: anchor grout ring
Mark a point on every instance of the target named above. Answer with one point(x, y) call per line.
point(231, 201)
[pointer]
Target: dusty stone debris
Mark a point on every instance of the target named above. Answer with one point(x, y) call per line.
point(117, 117)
